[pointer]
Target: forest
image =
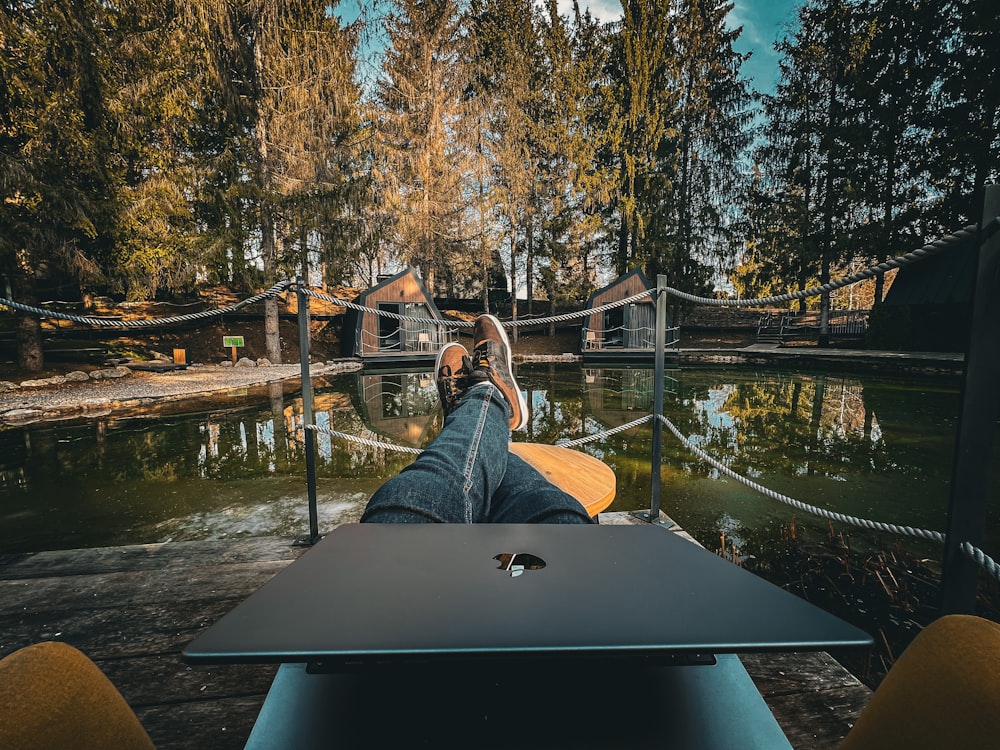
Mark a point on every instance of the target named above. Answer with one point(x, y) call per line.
point(150, 147)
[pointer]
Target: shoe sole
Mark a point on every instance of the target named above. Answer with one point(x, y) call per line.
point(522, 404)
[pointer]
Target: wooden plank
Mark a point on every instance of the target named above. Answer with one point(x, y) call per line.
point(197, 725)
point(146, 557)
point(59, 593)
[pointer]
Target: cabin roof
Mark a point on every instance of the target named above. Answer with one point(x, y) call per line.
point(946, 278)
point(620, 280)
point(426, 297)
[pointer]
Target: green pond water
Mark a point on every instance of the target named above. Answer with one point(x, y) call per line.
point(871, 447)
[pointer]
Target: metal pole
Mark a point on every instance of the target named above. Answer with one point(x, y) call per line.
point(309, 436)
point(659, 355)
point(970, 482)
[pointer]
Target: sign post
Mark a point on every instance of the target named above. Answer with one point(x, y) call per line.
point(232, 342)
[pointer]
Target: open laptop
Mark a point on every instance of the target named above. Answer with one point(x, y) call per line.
point(371, 594)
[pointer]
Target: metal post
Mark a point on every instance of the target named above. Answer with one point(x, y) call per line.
point(970, 482)
point(309, 436)
point(659, 355)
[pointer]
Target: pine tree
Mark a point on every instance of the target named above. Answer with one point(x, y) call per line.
point(702, 149)
point(422, 96)
point(56, 161)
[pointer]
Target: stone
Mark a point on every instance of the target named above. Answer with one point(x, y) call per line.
point(6, 385)
point(263, 362)
point(17, 415)
point(245, 362)
point(77, 376)
point(110, 373)
point(225, 363)
point(43, 382)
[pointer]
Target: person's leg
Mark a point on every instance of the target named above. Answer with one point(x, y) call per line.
point(525, 496)
point(454, 479)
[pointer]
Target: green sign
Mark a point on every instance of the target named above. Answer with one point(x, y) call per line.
point(232, 341)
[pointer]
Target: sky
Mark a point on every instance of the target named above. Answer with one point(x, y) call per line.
point(762, 21)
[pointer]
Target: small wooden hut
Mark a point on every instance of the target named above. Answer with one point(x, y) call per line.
point(378, 338)
point(624, 332)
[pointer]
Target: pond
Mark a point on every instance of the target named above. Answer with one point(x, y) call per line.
point(872, 447)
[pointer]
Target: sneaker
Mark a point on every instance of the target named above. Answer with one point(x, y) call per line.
point(491, 359)
point(451, 370)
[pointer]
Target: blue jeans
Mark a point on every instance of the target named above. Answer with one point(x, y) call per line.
point(467, 475)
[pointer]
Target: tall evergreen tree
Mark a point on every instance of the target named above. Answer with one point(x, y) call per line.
point(56, 161)
point(423, 99)
point(702, 150)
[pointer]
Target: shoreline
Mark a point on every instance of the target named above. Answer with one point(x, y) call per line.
point(89, 398)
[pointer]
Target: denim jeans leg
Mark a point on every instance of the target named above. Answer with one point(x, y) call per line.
point(454, 479)
point(525, 496)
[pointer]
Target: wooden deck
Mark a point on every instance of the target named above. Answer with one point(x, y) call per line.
point(132, 609)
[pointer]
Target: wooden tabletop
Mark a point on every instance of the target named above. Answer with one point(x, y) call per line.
point(588, 479)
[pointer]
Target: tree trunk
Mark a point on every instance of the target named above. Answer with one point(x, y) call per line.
point(272, 336)
point(27, 327)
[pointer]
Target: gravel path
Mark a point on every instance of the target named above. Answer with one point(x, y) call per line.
point(92, 397)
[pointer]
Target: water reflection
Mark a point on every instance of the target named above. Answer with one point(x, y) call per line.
point(870, 447)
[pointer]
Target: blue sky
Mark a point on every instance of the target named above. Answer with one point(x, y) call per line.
point(762, 21)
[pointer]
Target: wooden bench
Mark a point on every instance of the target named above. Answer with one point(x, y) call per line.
point(588, 479)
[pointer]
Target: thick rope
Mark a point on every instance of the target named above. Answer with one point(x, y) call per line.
point(935, 536)
point(985, 561)
point(274, 291)
point(926, 251)
point(469, 324)
point(364, 441)
point(605, 433)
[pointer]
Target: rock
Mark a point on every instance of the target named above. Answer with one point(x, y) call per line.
point(225, 363)
point(263, 362)
point(44, 382)
point(17, 415)
point(6, 385)
point(77, 376)
point(110, 373)
point(245, 362)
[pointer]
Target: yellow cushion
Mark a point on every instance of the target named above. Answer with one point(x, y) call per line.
point(942, 693)
point(52, 696)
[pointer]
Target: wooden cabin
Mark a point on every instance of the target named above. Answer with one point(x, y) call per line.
point(928, 307)
point(624, 332)
point(382, 339)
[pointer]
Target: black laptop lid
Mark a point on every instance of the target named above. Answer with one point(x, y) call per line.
point(385, 593)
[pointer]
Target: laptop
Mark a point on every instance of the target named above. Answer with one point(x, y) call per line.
point(386, 594)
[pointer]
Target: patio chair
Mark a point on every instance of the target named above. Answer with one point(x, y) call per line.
point(942, 692)
point(52, 696)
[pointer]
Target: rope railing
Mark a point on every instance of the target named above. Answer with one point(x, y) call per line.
point(274, 291)
point(932, 248)
point(562, 318)
point(891, 528)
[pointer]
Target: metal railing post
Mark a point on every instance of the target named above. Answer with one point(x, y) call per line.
point(659, 354)
point(970, 482)
point(309, 435)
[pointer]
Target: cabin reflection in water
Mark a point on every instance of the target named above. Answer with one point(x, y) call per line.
point(618, 395)
point(401, 406)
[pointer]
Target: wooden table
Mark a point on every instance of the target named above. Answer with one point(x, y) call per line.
point(588, 479)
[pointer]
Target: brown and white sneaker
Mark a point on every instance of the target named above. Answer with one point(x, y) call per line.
point(451, 371)
point(491, 359)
